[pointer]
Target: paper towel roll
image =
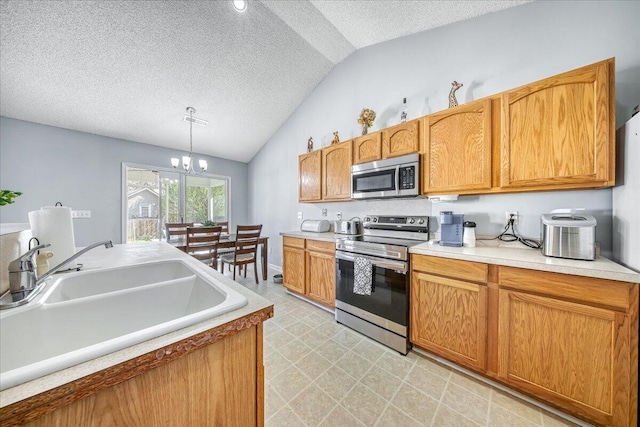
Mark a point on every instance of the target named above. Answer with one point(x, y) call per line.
point(53, 224)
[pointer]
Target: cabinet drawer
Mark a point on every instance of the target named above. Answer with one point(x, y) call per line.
point(466, 270)
point(600, 292)
point(293, 242)
point(316, 245)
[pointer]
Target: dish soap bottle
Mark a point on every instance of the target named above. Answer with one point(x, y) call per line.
point(42, 262)
point(403, 115)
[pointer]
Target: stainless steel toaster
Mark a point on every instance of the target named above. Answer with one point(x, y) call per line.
point(568, 235)
point(352, 226)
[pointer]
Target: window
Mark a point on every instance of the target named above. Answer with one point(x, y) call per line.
point(155, 196)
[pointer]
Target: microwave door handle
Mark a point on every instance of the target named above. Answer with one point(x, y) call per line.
point(397, 180)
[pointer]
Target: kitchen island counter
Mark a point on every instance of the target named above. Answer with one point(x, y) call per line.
point(68, 385)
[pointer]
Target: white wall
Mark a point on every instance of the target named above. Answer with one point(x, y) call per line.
point(82, 170)
point(489, 54)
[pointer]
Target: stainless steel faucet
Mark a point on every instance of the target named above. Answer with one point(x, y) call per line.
point(24, 284)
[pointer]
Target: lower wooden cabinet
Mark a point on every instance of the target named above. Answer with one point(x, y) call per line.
point(293, 268)
point(309, 269)
point(448, 315)
point(570, 341)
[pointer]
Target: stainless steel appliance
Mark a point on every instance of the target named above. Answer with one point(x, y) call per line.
point(384, 313)
point(568, 235)
point(395, 177)
point(353, 226)
point(451, 231)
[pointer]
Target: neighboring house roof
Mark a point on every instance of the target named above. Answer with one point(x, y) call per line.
point(136, 192)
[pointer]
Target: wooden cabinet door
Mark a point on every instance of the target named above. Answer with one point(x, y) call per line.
point(401, 139)
point(457, 153)
point(321, 277)
point(336, 171)
point(367, 148)
point(449, 318)
point(572, 355)
point(309, 176)
point(560, 131)
point(293, 269)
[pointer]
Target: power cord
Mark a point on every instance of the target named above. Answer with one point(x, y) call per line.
point(509, 234)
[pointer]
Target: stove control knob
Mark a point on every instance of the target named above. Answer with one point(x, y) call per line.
point(411, 220)
point(375, 219)
point(367, 219)
point(421, 221)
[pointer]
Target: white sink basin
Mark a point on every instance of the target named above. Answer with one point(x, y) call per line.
point(84, 284)
point(86, 315)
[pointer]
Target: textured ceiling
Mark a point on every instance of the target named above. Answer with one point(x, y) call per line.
point(128, 69)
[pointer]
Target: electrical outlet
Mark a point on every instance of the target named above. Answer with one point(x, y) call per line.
point(516, 217)
point(299, 214)
point(81, 214)
point(324, 212)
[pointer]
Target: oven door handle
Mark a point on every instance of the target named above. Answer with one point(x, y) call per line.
point(399, 266)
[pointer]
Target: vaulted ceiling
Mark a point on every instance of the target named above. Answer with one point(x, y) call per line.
point(129, 69)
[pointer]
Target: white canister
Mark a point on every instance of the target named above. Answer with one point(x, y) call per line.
point(469, 234)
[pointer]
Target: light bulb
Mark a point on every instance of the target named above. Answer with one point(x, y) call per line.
point(240, 5)
point(175, 162)
point(186, 162)
point(203, 165)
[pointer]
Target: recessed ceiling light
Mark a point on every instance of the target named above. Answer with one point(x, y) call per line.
point(240, 5)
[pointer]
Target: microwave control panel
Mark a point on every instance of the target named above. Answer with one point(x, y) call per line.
point(407, 178)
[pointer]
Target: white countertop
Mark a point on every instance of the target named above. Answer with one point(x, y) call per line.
point(507, 254)
point(522, 257)
point(130, 254)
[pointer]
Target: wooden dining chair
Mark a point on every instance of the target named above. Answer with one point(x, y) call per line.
point(202, 244)
point(245, 251)
point(176, 229)
point(224, 225)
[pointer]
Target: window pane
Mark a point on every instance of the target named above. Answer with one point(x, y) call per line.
point(142, 205)
point(206, 199)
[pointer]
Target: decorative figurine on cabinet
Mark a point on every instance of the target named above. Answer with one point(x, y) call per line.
point(310, 145)
point(452, 95)
point(336, 138)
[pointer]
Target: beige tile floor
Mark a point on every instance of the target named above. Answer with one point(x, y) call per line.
point(320, 373)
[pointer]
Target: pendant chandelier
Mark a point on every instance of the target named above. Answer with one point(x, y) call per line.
point(187, 161)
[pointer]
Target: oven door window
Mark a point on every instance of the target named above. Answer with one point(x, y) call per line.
point(384, 180)
point(388, 298)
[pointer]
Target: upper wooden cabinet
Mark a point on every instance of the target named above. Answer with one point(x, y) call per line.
point(559, 132)
point(457, 151)
point(401, 139)
point(367, 148)
point(336, 171)
point(310, 177)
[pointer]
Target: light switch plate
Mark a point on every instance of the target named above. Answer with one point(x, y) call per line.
point(299, 214)
point(81, 214)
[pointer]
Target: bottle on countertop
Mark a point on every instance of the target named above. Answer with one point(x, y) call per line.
point(469, 234)
point(42, 262)
point(403, 115)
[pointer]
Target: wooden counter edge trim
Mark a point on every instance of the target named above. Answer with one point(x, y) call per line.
point(26, 410)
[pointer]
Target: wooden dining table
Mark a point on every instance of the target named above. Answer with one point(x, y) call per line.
point(229, 241)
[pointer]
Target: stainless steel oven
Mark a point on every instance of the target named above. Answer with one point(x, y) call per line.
point(395, 177)
point(383, 313)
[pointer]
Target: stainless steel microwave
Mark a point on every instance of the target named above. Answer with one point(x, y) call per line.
point(395, 177)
